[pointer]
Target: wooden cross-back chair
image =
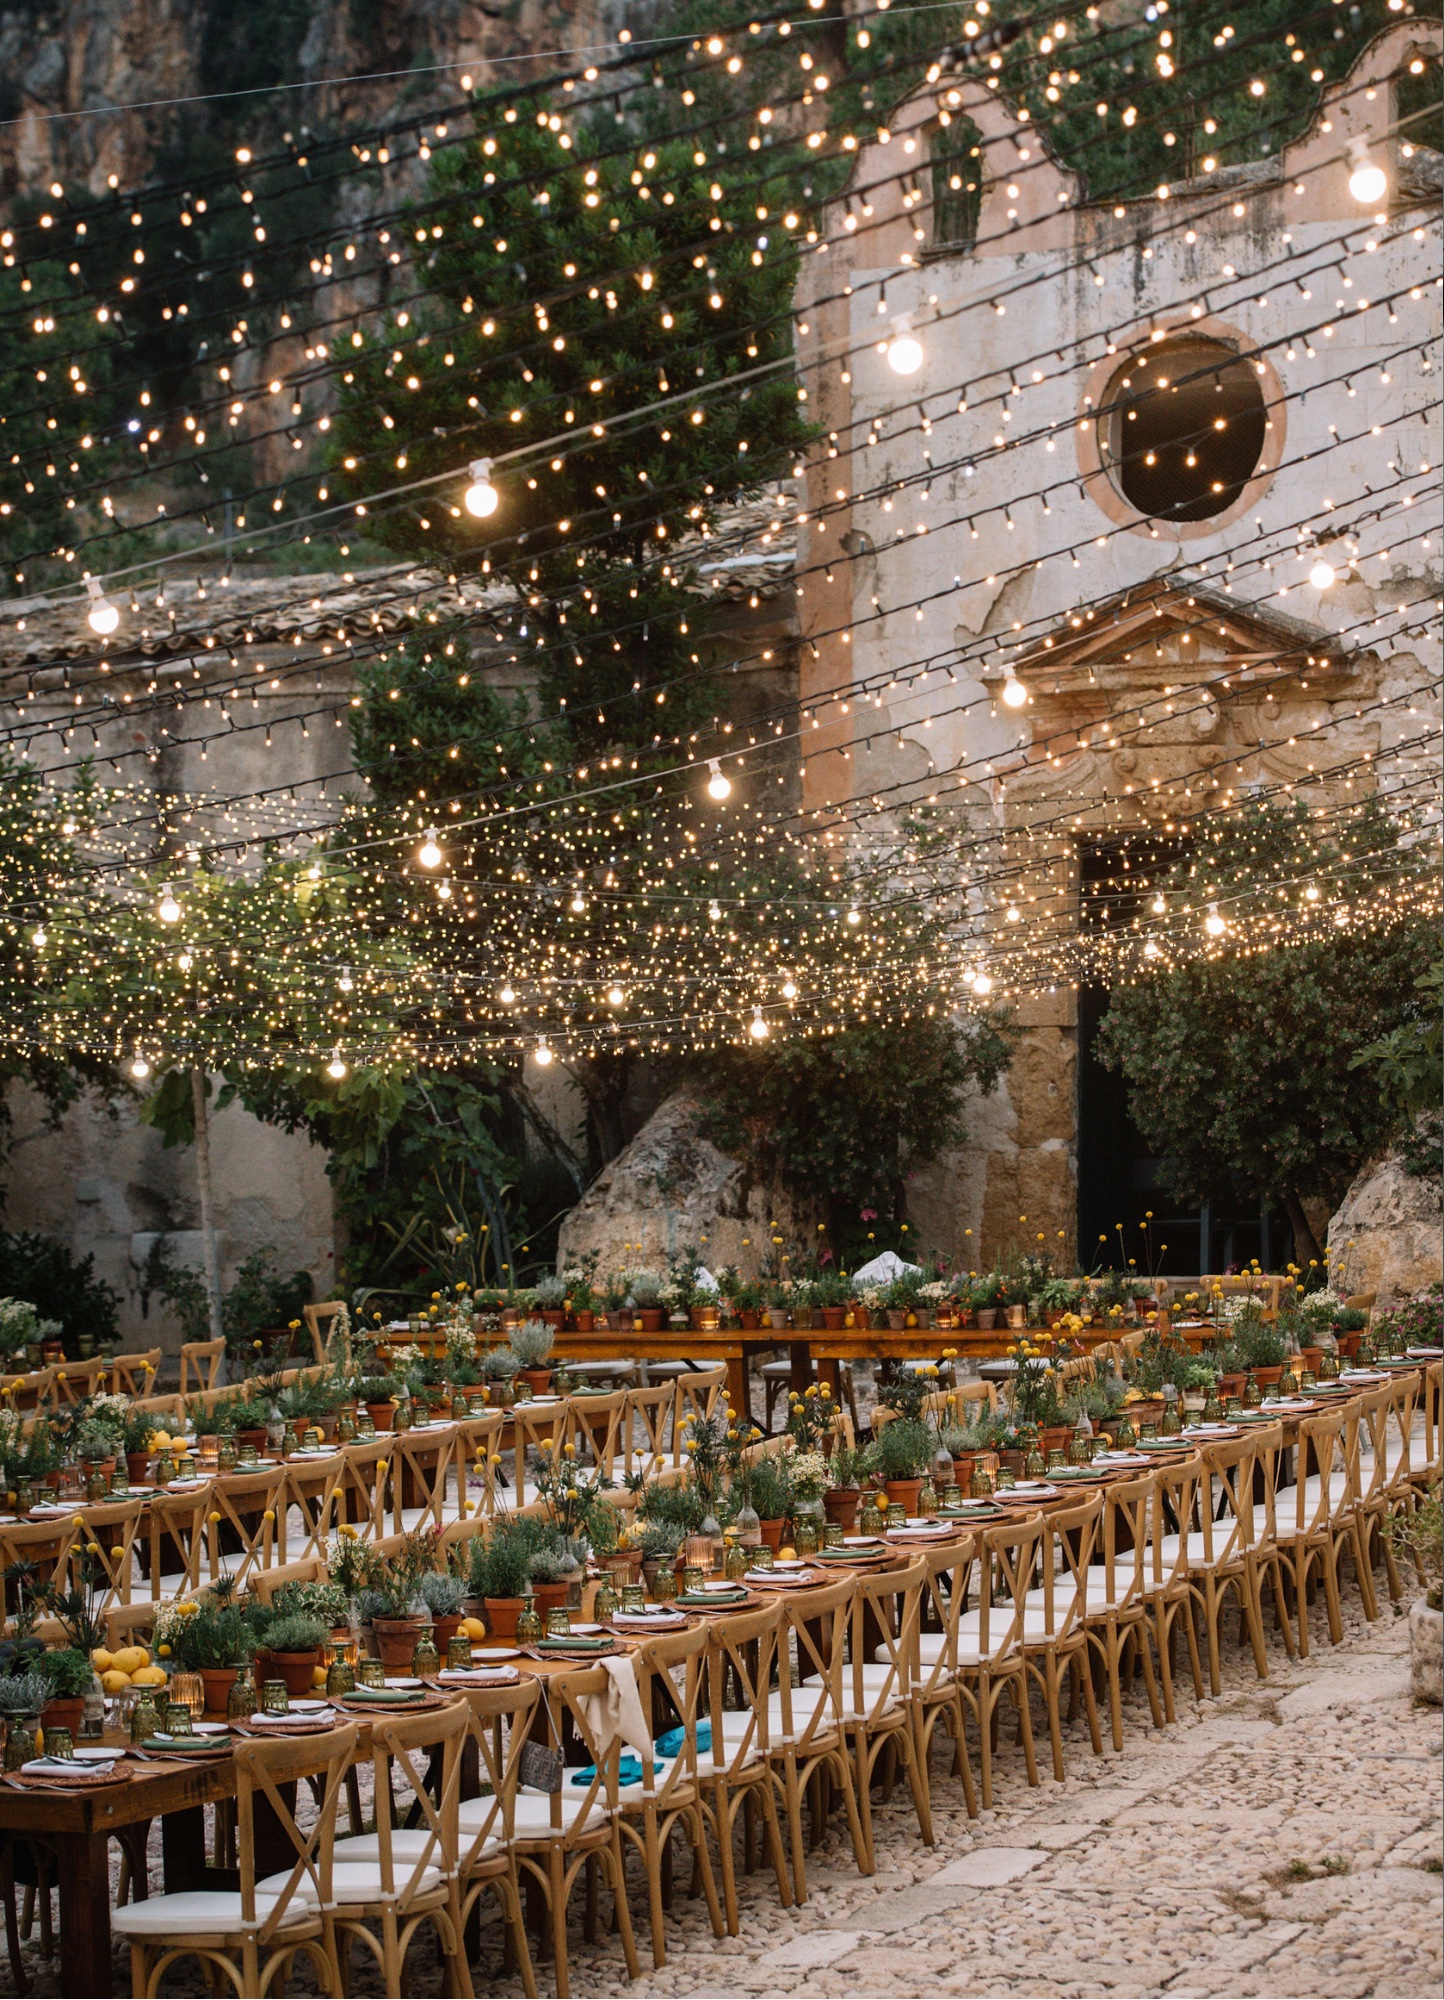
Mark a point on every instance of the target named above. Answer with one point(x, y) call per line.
point(249, 1934)
point(1232, 1539)
point(648, 1416)
point(1116, 1607)
point(108, 1538)
point(990, 1639)
point(133, 1374)
point(478, 1451)
point(201, 1359)
point(421, 1462)
point(34, 1390)
point(311, 1491)
point(501, 1719)
point(1386, 1440)
point(700, 1393)
point(805, 1720)
point(264, 1583)
point(594, 1426)
point(1163, 1561)
point(78, 1381)
point(39, 1551)
point(558, 1833)
point(1055, 1640)
point(363, 1489)
point(736, 1772)
point(667, 1796)
point(1315, 1517)
point(320, 1321)
point(390, 1882)
point(936, 1696)
point(241, 1523)
point(541, 1430)
point(878, 1685)
point(176, 1542)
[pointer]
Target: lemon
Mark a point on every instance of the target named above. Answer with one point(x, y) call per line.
point(148, 1677)
point(473, 1628)
point(787, 1554)
point(114, 1681)
point(101, 1660)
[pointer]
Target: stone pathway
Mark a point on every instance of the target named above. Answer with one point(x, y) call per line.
point(1282, 1840)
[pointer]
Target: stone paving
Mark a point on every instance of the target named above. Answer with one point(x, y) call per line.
point(1282, 1840)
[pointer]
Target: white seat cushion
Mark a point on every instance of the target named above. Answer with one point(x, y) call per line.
point(360, 1881)
point(533, 1819)
point(210, 1912)
point(736, 1744)
point(408, 1844)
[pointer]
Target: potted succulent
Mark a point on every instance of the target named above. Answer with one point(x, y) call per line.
point(67, 1673)
point(646, 1290)
point(443, 1594)
point(900, 1456)
point(969, 1445)
point(498, 1372)
point(614, 1304)
point(379, 1394)
point(531, 1346)
point(500, 1574)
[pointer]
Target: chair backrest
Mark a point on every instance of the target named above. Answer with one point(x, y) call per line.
point(320, 1323)
point(814, 1625)
point(1008, 1556)
point(645, 1423)
point(742, 1652)
point(201, 1358)
point(264, 1583)
point(176, 1526)
point(700, 1392)
point(1229, 1519)
point(40, 1547)
point(1389, 1407)
point(31, 1391)
point(268, 1767)
point(241, 1522)
point(566, 1700)
point(594, 1426)
point(1328, 1446)
point(670, 1677)
point(478, 1455)
point(1164, 1563)
point(1128, 1528)
point(500, 1726)
point(311, 1488)
point(946, 1589)
point(109, 1539)
point(77, 1381)
point(534, 1430)
point(1065, 1554)
point(883, 1623)
point(1431, 1399)
point(132, 1374)
point(362, 1492)
point(421, 1463)
point(396, 1741)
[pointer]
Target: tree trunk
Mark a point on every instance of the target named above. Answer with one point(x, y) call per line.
point(203, 1179)
point(1306, 1244)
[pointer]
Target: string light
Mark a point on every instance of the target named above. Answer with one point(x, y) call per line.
point(345, 983)
point(481, 497)
point(719, 785)
point(429, 854)
point(1014, 692)
point(103, 616)
point(1321, 576)
point(541, 1054)
point(139, 1067)
point(168, 909)
point(336, 1068)
point(1213, 923)
point(615, 996)
point(1368, 183)
point(904, 350)
point(757, 1027)
point(789, 988)
point(507, 995)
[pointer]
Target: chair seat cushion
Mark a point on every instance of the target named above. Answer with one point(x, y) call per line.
point(533, 1820)
point(739, 1746)
point(209, 1912)
point(356, 1881)
point(408, 1844)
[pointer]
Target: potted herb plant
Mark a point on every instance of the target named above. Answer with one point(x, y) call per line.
point(646, 1290)
point(294, 1648)
point(443, 1594)
point(550, 1300)
point(67, 1673)
point(531, 1345)
point(380, 1394)
point(840, 1501)
point(500, 1573)
point(498, 1371)
point(969, 1445)
point(986, 1299)
point(215, 1642)
point(900, 1456)
point(614, 1304)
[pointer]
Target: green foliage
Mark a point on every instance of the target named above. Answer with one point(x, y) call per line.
point(215, 1634)
point(296, 1632)
point(903, 1449)
point(261, 1299)
point(1240, 1067)
point(501, 1562)
point(843, 1120)
point(60, 1285)
point(66, 1671)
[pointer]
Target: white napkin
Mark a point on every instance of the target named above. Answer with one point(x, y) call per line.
point(480, 1677)
point(70, 1766)
point(308, 1720)
point(618, 1712)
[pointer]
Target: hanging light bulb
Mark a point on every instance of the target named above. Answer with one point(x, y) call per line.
point(168, 910)
point(714, 911)
point(854, 916)
point(1311, 894)
point(40, 937)
point(982, 983)
point(615, 995)
point(1213, 923)
point(1321, 576)
point(481, 497)
point(789, 988)
point(507, 994)
point(719, 785)
point(1341, 917)
point(184, 961)
point(336, 1068)
point(579, 903)
point(103, 616)
point(429, 854)
point(541, 1053)
point(1368, 183)
point(1015, 915)
point(139, 1067)
point(345, 983)
point(757, 1027)
point(1014, 692)
point(904, 350)
point(443, 892)
point(1150, 950)
point(1158, 906)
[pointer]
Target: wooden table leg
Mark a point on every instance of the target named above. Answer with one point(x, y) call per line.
point(183, 1849)
point(799, 1352)
point(737, 1385)
point(83, 1872)
point(829, 1371)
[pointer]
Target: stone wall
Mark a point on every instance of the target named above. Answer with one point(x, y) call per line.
point(1386, 1235)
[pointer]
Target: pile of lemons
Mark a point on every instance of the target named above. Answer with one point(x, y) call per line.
point(129, 1666)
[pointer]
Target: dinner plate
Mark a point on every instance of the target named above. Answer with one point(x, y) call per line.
point(394, 1681)
point(861, 1541)
point(310, 1704)
point(492, 1656)
point(92, 1753)
point(584, 1631)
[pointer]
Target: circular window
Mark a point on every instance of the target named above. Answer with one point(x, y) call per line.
point(1182, 429)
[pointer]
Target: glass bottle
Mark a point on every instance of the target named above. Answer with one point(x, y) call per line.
point(712, 1528)
point(805, 1536)
point(528, 1622)
point(1124, 1435)
point(665, 1588)
point(340, 1674)
point(1252, 1394)
point(1034, 1464)
point(242, 1699)
point(927, 1497)
point(144, 1718)
point(1288, 1381)
point(747, 1526)
point(980, 1486)
point(871, 1520)
point(97, 1486)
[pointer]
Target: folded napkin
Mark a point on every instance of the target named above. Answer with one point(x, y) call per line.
point(666, 1621)
point(306, 1720)
point(479, 1677)
point(55, 1767)
point(618, 1711)
point(670, 1744)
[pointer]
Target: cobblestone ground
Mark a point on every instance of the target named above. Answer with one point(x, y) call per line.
point(1282, 1840)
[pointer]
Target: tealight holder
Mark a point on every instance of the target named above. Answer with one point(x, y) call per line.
point(274, 1698)
point(693, 1577)
point(897, 1514)
point(559, 1623)
point(190, 1689)
point(371, 1674)
point(832, 1535)
point(59, 1743)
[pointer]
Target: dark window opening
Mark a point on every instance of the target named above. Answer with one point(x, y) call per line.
point(1182, 429)
point(956, 155)
point(1416, 104)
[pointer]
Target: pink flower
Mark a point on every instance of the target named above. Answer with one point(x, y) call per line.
point(868, 1214)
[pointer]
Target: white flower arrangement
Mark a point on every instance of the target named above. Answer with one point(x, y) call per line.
point(936, 1288)
point(808, 1471)
point(871, 1296)
point(21, 1325)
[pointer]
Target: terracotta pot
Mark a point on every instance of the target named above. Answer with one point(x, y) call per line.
point(619, 1321)
point(1348, 1344)
point(586, 1322)
point(1267, 1378)
point(539, 1379)
point(967, 1463)
point(1053, 1318)
point(297, 1670)
point(1312, 1358)
point(557, 1318)
point(444, 1630)
point(651, 1318)
point(861, 1318)
point(218, 1682)
point(137, 1466)
point(833, 1316)
point(1149, 1411)
point(747, 1319)
point(256, 1435)
point(625, 1565)
point(396, 1642)
point(772, 1533)
point(842, 1503)
point(1054, 1437)
point(383, 1415)
point(1012, 1461)
point(549, 1597)
point(896, 1320)
point(987, 1317)
point(65, 1713)
point(501, 1614)
point(904, 1490)
point(1231, 1385)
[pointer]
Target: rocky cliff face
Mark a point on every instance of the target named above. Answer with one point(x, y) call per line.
point(94, 88)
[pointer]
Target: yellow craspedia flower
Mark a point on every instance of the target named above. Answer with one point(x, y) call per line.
point(116, 1553)
point(163, 1652)
point(215, 1517)
point(92, 1548)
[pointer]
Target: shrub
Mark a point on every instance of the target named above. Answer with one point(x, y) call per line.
point(298, 1633)
point(903, 1449)
point(60, 1285)
point(532, 1343)
point(500, 1564)
point(442, 1594)
point(66, 1671)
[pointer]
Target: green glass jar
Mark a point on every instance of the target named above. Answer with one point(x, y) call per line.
point(402, 1421)
point(980, 1486)
point(340, 1674)
point(1124, 1435)
point(275, 1699)
point(97, 1487)
point(871, 1520)
point(19, 1742)
point(144, 1718)
point(458, 1653)
point(1329, 1366)
point(693, 1578)
point(897, 1514)
point(226, 1455)
point(371, 1674)
point(242, 1699)
point(805, 1536)
point(1212, 1407)
point(736, 1563)
point(1288, 1381)
point(24, 1493)
point(60, 1743)
point(345, 1428)
point(1007, 1479)
point(164, 1468)
point(1034, 1465)
point(634, 1597)
point(1252, 1394)
point(1172, 1423)
point(425, 1659)
point(559, 1623)
point(528, 1623)
point(665, 1589)
point(1056, 1460)
point(1079, 1448)
point(832, 1535)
